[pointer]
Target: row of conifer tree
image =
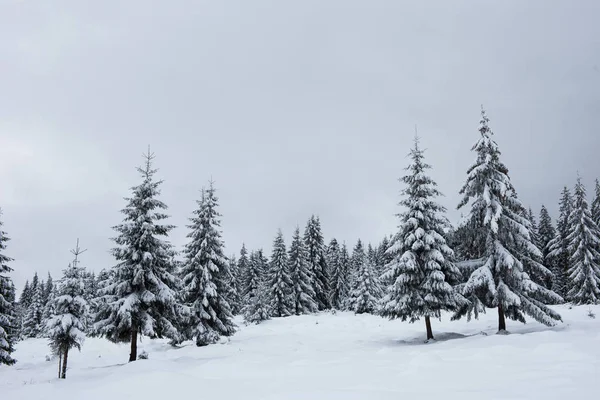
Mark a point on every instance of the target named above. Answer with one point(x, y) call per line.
point(499, 257)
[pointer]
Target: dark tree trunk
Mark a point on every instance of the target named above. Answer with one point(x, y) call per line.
point(59, 363)
point(501, 319)
point(428, 326)
point(64, 365)
point(134, 335)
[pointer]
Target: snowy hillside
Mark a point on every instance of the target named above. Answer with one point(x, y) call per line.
point(331, 356)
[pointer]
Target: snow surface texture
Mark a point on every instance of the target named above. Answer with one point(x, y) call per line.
point(331, 356)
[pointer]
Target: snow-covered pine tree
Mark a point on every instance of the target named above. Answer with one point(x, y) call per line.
point(205, 274)
point(315, 251)
point(558, 248)
point(383, 258)
point(234, 292)
point(500, 281)
point(141, 297)
point(66, 328)
point(345, 267)
point(242, 275)
point(421, 271)
point(279, 281)
point(546, 233)
point(337, 274)
point(302, 277)
point(48, 312)
point(34, 283)
point(356, 262)
point(33, 316)
point(47, 287)
point(7, 303)
point(257, 307)
point(596, 204)
point(584, 245)
point(541, 279)
point(26, 295)
point(534, 228)
point(367, 292)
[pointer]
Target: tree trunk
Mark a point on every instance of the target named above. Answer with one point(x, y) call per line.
point(134, 335)
point(428, 326)
point(501, 319)
point(64, 366)
point(59, 363)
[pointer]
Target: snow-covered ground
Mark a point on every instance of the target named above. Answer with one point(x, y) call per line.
point(328, 356)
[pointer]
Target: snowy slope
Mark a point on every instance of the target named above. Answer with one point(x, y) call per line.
point(328, 356)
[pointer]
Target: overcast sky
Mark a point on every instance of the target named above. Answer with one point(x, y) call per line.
point(292, 107)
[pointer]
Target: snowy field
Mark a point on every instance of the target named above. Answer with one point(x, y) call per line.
point(328, 356)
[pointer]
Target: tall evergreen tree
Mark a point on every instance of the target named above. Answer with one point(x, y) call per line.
point(365, 295)
point(584, 245)
point(546, 232)
point(242, 274)
point(558, 248)
point(345, 268)
point(33, 316)
point(26, 295)
point(356, 262)
point(301, 274)
point(315, 250)
point(500, 281)
point(257, 307)
point(141, 297)
point(234, 291)
point(543, 277)
point(205, 275)
point(421, 270)
point(281, 302)
point(66, 328)
point(338, 275)
point(533, 230)
point(48, 287)
point(7, 303)
point(596, 204)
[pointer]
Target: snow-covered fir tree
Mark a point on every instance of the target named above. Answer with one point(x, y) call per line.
point(558, 248)
point(383, 258)
point(301, 274)
point(500, 280)
point(256, 309)
point(421, 271)
point(90, 293)
point(279, 281)
point(545, 277)
point(141, 296)
point(7, 303)
point(356, 262)
point(596, 204)
point(315, 251)
point(26, 296)
point(48, 312)
point(48, 287)
point(584, 245)
point(32, 319)
point(338, 274)
point(533, 230)
point(242, 274)
point(234, 292)
point(367, 292)
point(66, 328)
point(205, 273)
point(546, 233)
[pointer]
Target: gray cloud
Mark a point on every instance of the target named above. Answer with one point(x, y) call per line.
point(292, 107)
